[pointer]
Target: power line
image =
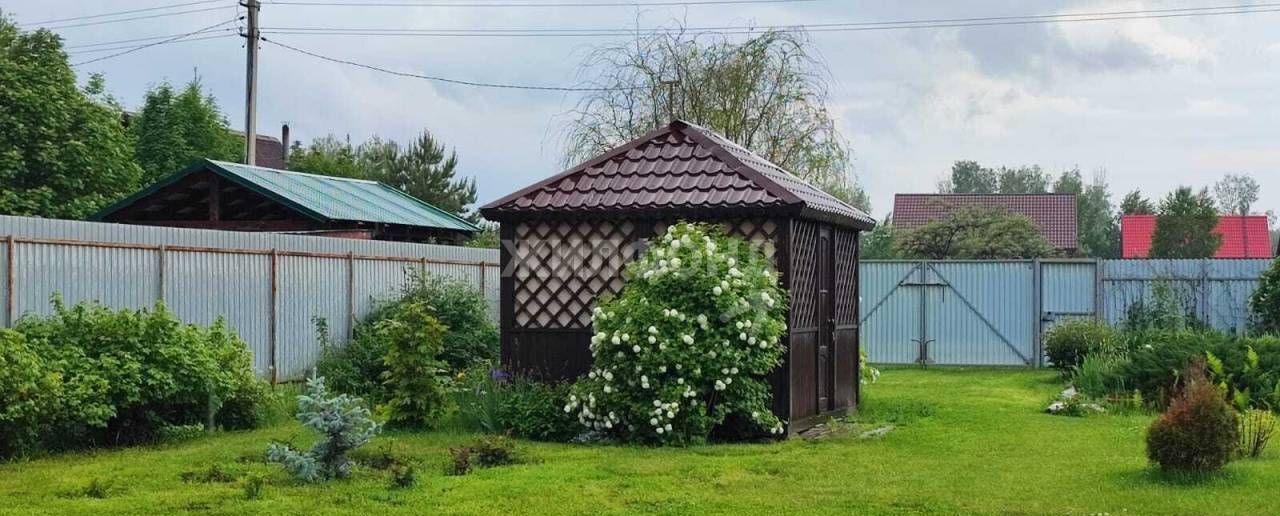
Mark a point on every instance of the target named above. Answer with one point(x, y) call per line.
point(117, 13)
point(816, 27)
point(121, 47)
point(433, 77)
point(161, 42)
point(144, 17)
point(668, 3)
point(120, 41)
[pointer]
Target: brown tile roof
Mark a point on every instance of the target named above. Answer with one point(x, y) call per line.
point(1054, 214)
point(678, 168)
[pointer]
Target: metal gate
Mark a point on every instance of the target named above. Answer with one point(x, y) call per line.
point(969, 312)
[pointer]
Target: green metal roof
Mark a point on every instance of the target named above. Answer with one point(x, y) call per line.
point(321, 197)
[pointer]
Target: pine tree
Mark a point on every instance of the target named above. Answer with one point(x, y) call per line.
point(1184, 226)
point(174, 129)
point(1135, 204)
point(423, 170)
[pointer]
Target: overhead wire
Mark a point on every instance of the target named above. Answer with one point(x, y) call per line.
point(161, 42)
point(118, 13)
point(508, 4)
point(133, 18)
point(814, 27)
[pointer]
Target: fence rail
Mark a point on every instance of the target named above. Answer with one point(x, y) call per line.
point(272, 288)
point(996, 312)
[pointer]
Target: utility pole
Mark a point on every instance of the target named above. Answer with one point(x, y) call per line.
point(251, 84)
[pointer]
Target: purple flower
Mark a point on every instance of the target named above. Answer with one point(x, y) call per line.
point(498, 374)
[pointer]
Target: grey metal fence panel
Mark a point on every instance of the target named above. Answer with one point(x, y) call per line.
point(77, 273)
point(308, 289)
point(1215, 291)
point(378, 280)
point(984, 313)
point(994, 312)
point(204, 274)
point(890, 312)
point(200, 287)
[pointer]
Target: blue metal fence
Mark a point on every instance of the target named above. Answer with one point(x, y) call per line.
point(995, 312)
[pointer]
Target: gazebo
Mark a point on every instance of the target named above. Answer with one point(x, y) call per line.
point(566, 240)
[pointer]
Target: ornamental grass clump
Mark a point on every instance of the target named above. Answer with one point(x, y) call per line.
point(343, 423)
point(686, 343)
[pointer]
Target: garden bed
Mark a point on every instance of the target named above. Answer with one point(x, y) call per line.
point(963, 441)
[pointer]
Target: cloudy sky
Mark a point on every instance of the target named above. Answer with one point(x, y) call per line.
point(1154, 103)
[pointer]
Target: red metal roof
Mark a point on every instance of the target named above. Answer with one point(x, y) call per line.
point(1243, 236)
point(1053, 214)
point(678, 168)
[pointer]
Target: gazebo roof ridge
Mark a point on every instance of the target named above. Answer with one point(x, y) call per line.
point(678, 167)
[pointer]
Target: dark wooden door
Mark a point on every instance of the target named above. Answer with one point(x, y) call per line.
point(825, 362)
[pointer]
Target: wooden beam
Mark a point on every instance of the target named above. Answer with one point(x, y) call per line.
point(215, 202)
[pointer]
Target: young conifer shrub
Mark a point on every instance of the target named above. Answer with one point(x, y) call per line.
point(1199, 431)
point(687, 342)
point(343, 423)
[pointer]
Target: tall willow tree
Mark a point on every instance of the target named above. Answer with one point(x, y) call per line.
point(768, 93)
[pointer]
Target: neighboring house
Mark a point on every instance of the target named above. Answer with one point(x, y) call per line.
point(269, 151)
point(1243, 236)
point(1053, 214)
point(230, 196)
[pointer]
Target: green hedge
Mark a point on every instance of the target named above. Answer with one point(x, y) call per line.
point(90, 376)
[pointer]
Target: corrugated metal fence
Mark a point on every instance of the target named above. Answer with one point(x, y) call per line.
point(270, 287)
point(995, 312)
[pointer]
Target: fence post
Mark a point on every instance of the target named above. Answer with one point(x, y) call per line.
point(160, 274)
point(1099, 290)
point(351, 295)
point(1037, 300)
point(10, 288)
point(271, 322)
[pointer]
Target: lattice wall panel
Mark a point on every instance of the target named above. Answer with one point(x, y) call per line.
point(561, 268)
point(846, 272)
point(804, 275)
point(762, 233)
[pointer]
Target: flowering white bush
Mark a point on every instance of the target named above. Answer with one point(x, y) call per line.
point(687, 342)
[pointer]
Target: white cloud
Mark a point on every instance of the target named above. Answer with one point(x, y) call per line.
point(1212, 107)
point(1152, 38)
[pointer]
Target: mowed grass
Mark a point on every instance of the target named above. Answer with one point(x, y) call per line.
point(966, 441)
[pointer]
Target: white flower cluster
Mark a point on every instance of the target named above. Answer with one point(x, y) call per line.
point(652, 347)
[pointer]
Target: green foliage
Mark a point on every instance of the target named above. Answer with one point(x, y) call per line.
point(1169, 309)
point(414, 341)
point(344, 424)
point(1257, 427)
point(486, 452)
point(766, 92)
point(970, 177)
point(1099, 375)
point(63, 154)
point(487, 238)
point(1184, 226)
point(1265, 301)
point(687, 342)
point(214, 473)
point(1068, 343)
point(867, 374)
point(121, 377)
point(1135, 204)
point(327, 156)
point(533, 410)
point(253, 486)
point(180, 433)
point(1098, 231)
point(174, 129)
point(402, 476)
point(1198, 433)
point(470, 337)
point(975, 233)
point(877, 244)
point(421, 168)
point(32, 393)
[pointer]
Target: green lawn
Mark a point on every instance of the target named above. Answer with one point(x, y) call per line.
point(968, 441)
